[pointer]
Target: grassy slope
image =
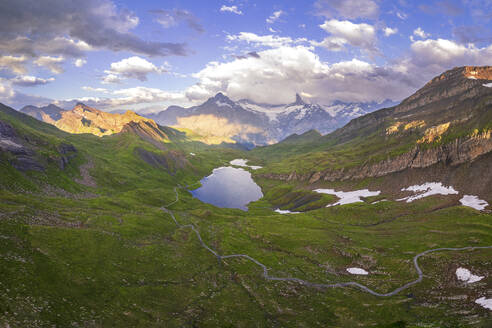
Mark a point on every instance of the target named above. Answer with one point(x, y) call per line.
point(117, 260)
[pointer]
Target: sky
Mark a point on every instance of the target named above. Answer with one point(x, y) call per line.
point(146, 55)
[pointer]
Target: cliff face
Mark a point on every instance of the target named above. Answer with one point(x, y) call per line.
point(460, 151)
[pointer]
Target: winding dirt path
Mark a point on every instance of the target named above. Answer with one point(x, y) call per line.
point(267, 276)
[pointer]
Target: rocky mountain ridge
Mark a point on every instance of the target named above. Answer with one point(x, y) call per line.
point(85, 119)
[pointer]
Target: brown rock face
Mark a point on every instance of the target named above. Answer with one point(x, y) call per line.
point(85, 119)
point(478, 72)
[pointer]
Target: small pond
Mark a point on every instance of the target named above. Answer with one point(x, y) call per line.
point(228, 187)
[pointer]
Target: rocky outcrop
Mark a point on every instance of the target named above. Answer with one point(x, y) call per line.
point(85, 119)
point(22, 151)
point(67, 152)
point(461, 150)
point(19, 156)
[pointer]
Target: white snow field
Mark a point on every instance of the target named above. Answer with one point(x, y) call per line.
point(278, 210)
point(427, 189)
point(474, 202)
point(485, 302)
point(357, 271)
point(466, 276)
point(347, 197)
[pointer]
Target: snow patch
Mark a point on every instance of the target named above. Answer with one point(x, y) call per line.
point(488, 85)
point(474, 202)
point(471, 78)
point(349, 196)
point(278, 210)
point(242, 162)
point(270, 112)
point(484, 302)
point(357, 271)
point(466, 276)
point(222, 104)
point(239, 162)
point(427, 189)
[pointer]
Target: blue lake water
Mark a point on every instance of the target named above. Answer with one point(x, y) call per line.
point(228, 187)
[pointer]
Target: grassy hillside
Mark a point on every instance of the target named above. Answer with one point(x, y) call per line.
point(105, 254)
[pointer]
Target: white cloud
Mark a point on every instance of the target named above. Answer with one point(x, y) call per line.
point(288, 70)
point(401, 15)
point(14, 63)
point(110, 78)
point(350, 9)
point(30, 81)
point(126, 97)
point(17, 99)
point(40, 29)
point(442, 54)
point(420, 33)
point(231, 9)
point(345, 32)
point(275, 16)
point(264, 40)
point(91, 89)
point(390, 31)
point(170, 18)
point(80, 62)
point(132, 67)
point(51, 63)
point(6, 90)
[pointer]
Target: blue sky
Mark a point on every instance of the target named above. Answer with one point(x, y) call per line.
point(147, 55)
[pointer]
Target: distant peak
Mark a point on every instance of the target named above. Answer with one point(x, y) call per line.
point(220, 96)
point(299, 101)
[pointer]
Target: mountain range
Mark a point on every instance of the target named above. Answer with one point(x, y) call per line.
point(217, 120)
point(254, 124)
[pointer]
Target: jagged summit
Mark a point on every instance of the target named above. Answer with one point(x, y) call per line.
point(299, 101)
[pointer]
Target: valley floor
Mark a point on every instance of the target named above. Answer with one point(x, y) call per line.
point(123, 261)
